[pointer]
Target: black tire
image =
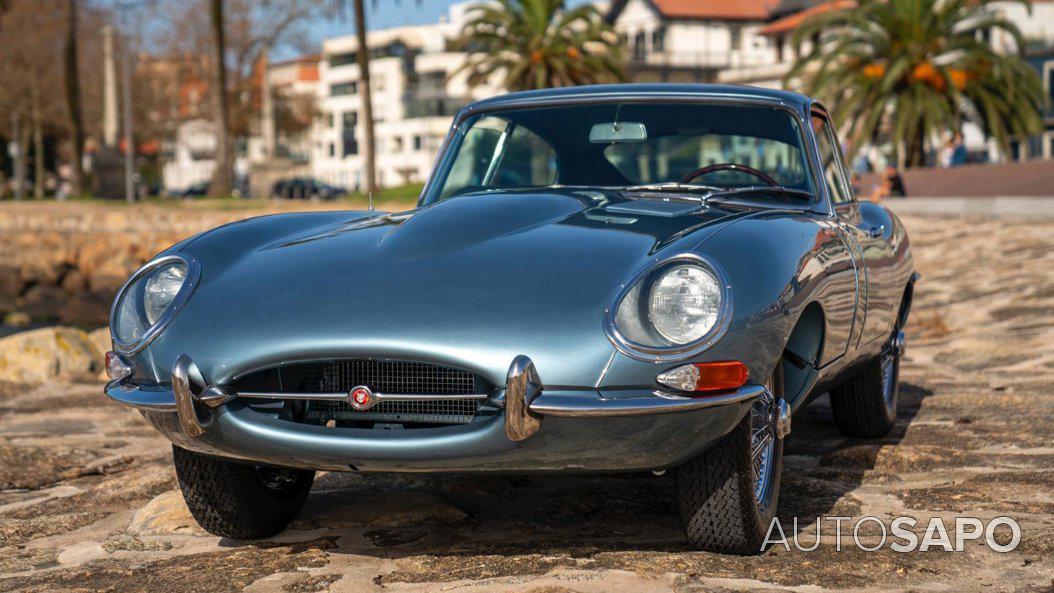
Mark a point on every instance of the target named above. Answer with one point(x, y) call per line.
point(716, 492)
point(860, 405)
point(233, 500)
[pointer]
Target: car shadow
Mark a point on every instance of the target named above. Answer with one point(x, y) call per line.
point(404, 515)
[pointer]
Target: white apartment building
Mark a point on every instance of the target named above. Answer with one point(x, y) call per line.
point(698, 41)
point(416, 91)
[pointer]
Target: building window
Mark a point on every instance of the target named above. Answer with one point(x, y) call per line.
point(658, 40)
point(348, 120)
point(779, 48)
point(735, 37)
point(343, 88)
point(640, 45)
point(1048, 68)
point(343, 59)
point(397, 144)
point(332, 150)
point(418, 142)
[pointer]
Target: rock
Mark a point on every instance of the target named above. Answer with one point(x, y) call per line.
point(84, 309)
point(43, 301)
point(74, 282)
point(17, 319)
point(37, 356)
point(100, 338)
point(166, 514)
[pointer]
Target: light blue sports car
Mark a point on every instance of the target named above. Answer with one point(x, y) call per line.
point(595, 279)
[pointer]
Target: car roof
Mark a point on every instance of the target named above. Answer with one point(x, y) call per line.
point(645, 91)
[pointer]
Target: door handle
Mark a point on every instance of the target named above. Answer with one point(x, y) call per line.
point(876, 231)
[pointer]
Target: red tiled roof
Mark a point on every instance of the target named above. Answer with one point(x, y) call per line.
point(716, 9)
point(791, 22)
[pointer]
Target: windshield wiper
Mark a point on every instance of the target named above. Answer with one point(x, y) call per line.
point(670, 187)
point(788, 192)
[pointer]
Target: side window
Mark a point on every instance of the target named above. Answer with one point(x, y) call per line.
point(833, 170)
point(474, 158)
point(496, 153)
point(528, 161)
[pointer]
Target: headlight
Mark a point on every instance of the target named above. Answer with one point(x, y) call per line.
point(684, 303)
point(150, 299)
point(161, 289)
point(675, 307)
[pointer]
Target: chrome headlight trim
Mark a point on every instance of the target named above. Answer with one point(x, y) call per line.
point(151, 332)
point(648, 353)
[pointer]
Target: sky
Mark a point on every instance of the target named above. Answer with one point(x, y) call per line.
point(384, 14)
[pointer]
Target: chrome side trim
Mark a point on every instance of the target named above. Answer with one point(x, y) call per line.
point(522, 389)
point(341, 396)
point(189, 284)
point(592, 405)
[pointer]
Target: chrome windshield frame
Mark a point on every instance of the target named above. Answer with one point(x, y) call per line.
point(801, 115)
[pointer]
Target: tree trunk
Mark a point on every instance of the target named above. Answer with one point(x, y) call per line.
point(39, 172)
point(917, 148)
point(21, 138)
point(38, 142)
point(363, 59)
point(73, 102)
point(222, 176)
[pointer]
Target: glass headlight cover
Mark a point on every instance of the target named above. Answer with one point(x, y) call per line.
point(139, 313)
point(684, 303)
point(161, 289)
point(671, 308)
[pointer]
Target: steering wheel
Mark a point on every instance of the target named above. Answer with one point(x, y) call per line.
point(729, 167)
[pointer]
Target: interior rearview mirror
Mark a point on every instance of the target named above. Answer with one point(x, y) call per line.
point(618, 132)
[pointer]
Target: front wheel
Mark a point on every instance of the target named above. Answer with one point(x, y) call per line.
point(728, 494)
point(240, 501)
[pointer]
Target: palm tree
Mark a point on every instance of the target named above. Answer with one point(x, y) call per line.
point(539, 44)
point(918, 68)
point(362, 57)
point(222, 178)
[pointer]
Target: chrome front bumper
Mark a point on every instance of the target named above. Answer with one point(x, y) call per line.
point(525, 399)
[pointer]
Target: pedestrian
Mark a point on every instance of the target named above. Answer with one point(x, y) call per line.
point(892, 184)
point(947, 151)
point(958, 151)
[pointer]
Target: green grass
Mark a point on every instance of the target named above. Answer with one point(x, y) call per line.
point(392, 199)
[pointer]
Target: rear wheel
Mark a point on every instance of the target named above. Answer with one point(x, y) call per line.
point(866, 404)
point(240, 501)
point(728, 494)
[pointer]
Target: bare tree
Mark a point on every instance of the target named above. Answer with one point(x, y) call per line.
point(222, 177)
point(73, 99)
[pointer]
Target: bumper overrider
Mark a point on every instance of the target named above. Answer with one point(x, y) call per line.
point(539, 429)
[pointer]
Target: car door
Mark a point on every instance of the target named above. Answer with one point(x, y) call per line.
point(865, 237)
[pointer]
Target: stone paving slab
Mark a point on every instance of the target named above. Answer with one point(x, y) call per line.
point(88, 499)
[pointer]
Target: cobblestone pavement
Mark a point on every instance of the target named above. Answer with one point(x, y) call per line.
point(87, 499)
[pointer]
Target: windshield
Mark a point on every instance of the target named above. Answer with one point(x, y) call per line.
point(624, 145)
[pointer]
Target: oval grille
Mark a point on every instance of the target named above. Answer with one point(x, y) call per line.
point(381, 376)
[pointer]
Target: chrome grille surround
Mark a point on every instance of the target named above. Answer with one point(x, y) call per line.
point(431, 411)
point(406, 391)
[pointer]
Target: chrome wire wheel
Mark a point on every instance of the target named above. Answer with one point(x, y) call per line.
point(763, 437)
point(890, 373)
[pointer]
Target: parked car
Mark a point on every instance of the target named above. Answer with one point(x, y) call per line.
point(306, 188)
point(195, 190)
point(596, 279)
